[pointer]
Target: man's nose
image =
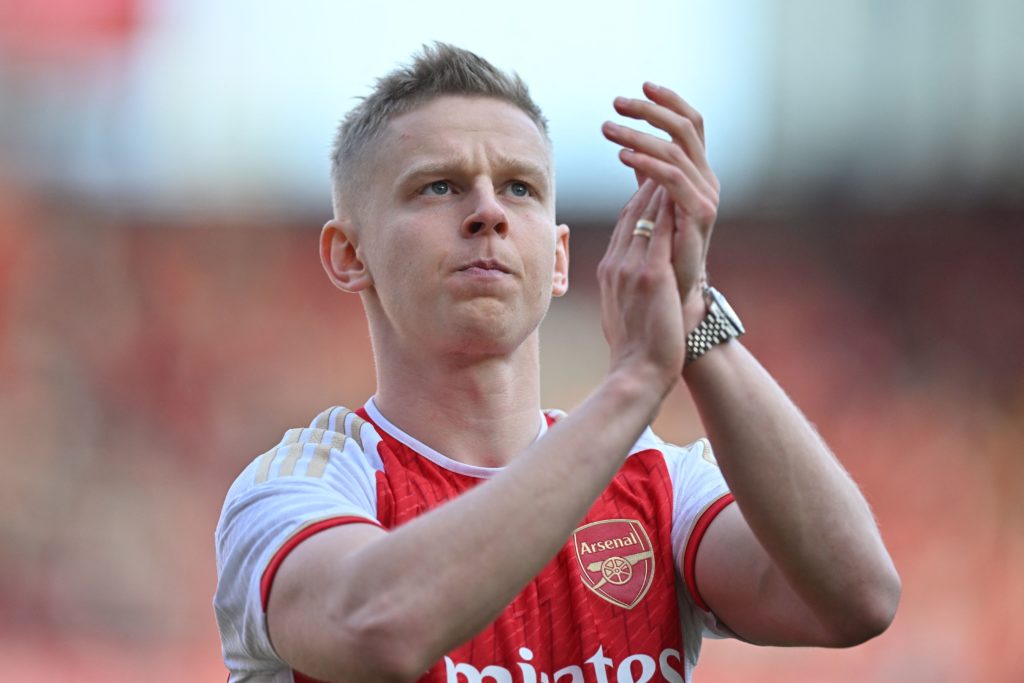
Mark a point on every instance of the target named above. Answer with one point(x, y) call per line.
point(487, 214)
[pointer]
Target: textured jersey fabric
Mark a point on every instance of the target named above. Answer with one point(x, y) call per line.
point(611, 606)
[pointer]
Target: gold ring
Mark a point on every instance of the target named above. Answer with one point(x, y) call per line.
point(644, 227)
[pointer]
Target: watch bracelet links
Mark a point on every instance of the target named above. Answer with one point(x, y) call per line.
point(711, 332)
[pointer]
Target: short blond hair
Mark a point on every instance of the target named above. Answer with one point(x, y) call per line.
point(438, 70)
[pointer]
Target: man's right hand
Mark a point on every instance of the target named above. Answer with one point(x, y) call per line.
point(641, 312)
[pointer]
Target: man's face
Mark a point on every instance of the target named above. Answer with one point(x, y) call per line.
point(457, 228)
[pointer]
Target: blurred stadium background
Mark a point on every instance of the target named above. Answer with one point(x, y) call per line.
point(163, 316)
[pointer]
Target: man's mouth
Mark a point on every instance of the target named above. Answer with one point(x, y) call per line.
point(485, 265)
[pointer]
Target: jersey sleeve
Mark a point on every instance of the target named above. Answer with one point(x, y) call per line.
point(700, 493)
point(313, 480)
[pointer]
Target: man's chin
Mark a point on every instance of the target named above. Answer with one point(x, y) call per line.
point(487, 328)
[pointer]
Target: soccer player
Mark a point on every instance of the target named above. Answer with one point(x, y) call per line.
point(448, 529)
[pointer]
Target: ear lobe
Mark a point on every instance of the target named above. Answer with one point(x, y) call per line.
point(339, 258)
point(560, 279)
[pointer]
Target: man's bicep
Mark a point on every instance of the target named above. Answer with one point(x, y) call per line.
point(742, 587)
point(303, 592)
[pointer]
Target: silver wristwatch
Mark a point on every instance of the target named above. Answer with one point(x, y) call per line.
point(719, 325)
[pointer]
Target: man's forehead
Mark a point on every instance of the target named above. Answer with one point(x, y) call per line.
point(450, 126)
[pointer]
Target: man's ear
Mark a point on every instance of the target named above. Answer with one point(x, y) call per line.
point(560, 281)
point(339, 258)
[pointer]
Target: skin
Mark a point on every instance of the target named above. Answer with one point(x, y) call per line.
point(797, 561)
point(435, 326)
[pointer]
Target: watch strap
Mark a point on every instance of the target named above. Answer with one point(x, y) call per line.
point(713, 330)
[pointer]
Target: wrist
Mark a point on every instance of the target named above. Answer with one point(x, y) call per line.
point(695, 307)
point(712, 364)
point(719, 325)
point(639, 385)
point(695, 303)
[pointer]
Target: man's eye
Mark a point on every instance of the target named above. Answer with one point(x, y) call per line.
point(438, 187)
point(519, 189)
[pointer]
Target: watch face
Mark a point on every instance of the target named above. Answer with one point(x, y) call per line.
point(718, 300)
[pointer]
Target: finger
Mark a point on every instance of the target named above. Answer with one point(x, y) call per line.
point(670, 100)
point(678, 125)
point(638, 241)
point(667, 97)
point(628, 217)
point(661, 240)
point(662, 149)
point(700, 205)
point(640, 178)
point(632, 212)
point(681, 129)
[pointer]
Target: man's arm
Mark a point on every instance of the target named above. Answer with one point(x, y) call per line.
point(804, 563)
point(357, 603)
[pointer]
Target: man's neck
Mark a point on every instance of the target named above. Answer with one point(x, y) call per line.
point(478, 411)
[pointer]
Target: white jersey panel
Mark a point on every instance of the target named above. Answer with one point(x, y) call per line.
point(313, 475)
point(696, 484)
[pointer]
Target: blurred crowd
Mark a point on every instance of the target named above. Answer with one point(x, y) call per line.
point(159, 329)
point(144, 362)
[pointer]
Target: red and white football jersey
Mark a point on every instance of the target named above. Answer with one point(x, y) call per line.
point(618, 603)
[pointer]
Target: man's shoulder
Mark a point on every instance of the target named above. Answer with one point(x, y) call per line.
point(650, 441)
point(336, 439)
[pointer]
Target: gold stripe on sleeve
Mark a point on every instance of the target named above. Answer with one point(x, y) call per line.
point(323, 420)
point(265, 461)
point(706, 452)
point(319, 437)
point(333, 440)
point(339, 419)
point(291, 456)
point(354, 432)
point(321, 456)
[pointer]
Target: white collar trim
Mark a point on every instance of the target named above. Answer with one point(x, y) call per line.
point(433, 456)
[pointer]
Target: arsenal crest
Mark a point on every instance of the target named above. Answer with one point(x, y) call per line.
point(616, 560)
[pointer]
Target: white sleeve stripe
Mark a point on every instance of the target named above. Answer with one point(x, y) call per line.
point(355, 429)
point(263, 471)
point(332, 419)
point(323, 420)
point(318, 462)
point(333, 439)
point(338, 416)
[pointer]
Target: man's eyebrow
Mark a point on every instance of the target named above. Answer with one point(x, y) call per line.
point(505, 165)
point(517, 166)
point(435, 167)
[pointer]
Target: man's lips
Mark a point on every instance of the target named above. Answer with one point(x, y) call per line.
point(486, 265)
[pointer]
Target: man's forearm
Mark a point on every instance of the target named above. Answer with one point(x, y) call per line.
point(799, 502)
point(483, 547)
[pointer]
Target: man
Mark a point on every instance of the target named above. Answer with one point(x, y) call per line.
point(449, 530)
